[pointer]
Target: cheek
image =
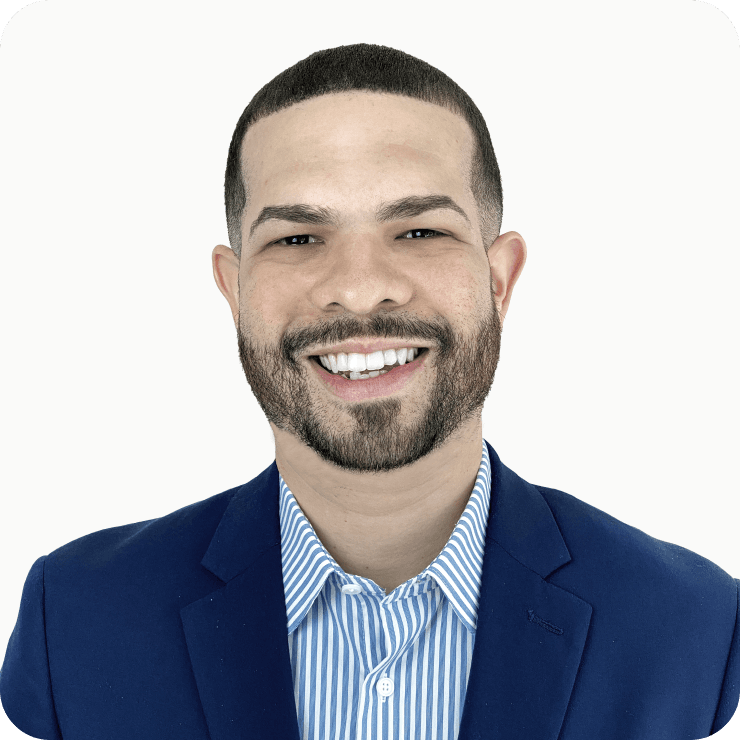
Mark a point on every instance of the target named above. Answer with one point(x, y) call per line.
point(267, 302)
point(457, 289)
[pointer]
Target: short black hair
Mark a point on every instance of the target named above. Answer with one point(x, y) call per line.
point(372, 68)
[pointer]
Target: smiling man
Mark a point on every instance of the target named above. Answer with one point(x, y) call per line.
point(371, 340)
point(387, 576)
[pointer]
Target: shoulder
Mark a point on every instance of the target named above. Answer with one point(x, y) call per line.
point(176, 540)
point(617, 561)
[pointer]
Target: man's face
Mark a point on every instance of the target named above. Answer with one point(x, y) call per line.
point(365, 280)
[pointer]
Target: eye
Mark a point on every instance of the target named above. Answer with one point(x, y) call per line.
point(299, 240)
point(289, 241)
point(417, 232)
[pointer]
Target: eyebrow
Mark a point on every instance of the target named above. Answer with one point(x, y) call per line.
point(407, 207)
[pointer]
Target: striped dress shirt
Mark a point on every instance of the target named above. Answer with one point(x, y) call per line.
point(371, 666)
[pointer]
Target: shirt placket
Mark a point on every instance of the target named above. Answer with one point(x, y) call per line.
point(381, 679)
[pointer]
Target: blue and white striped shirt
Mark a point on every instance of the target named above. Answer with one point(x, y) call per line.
point(367, 666)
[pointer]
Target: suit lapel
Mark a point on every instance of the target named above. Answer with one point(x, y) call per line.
point(237, 635)
point(530, 633)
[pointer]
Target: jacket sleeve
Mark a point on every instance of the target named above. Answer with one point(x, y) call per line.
point(25, 682)
point(730, 694)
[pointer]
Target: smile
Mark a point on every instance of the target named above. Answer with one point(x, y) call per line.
point(355, 366)
point(375, 383)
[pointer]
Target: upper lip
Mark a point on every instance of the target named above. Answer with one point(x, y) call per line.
point(366, 348)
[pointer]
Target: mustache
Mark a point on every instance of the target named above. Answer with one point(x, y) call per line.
point(437, 331)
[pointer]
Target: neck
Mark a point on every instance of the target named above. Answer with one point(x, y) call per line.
point(385, 526)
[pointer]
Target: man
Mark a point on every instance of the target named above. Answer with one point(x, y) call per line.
point(387, 576)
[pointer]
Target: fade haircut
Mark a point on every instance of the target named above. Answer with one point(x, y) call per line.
point(372, 68)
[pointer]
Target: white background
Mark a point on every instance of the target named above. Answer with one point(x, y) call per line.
point(615, 126)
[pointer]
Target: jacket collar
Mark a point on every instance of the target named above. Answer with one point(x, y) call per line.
point(528, 644)
point(521, 522)
point(249, 527)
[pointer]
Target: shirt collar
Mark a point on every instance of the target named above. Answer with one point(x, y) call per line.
point(456, 570)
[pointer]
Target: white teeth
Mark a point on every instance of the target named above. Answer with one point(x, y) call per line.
point(356, 363)
point(375, 360)
point(373, 374)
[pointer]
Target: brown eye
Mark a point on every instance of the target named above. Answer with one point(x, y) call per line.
point(295, 241)
point(427, 233)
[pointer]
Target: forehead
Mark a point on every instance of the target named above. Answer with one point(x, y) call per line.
point(357, 140)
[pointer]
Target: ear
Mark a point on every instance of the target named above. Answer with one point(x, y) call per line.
point(226, 275)
point(506, 256)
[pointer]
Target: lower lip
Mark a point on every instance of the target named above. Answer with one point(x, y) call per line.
point(382, 385)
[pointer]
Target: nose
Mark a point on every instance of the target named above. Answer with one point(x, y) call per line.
point(362, 275)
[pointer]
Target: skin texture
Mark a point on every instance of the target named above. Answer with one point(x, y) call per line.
point(382, 481)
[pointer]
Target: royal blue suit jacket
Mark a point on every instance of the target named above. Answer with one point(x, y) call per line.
point(175, 628)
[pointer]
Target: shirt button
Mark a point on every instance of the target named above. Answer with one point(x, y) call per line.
point(352, 589)
point(385, 686)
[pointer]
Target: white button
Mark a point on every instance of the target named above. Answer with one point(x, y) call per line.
point(385, 686)
point(352, 589)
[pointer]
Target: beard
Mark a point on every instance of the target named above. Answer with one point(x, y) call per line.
point(381, 434)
